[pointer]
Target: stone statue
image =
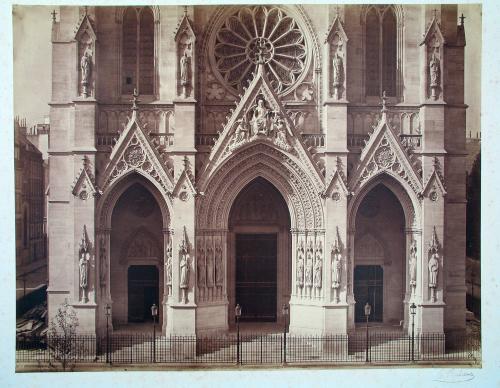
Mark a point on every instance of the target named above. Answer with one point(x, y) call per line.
point(309, 268)
point(219, 267)
point(280, 133)
point(200, 260)
point(433, 269)
point(184, 69)
point(336, 267)
point(435, 69)
point(318, 269)
point(184, 269)
point(260, 121)
point(241, 132)
point(85, 66)
point(210, 267)
point(168, 266)
point(338, 70)
point(300, 266)
point(83, 264)
point(413, 264)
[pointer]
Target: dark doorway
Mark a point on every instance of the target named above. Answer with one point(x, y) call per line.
point(256, 274)
point(142, 292)
point(369, 287)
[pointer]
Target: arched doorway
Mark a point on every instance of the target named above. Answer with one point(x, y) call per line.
point(379, 263)
point(259, 246)
point(136, 249)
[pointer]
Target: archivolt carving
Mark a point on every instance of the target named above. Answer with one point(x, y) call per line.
point(295, 185)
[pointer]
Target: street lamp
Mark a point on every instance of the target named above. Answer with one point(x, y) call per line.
point(413, 311)
point(368, 310)
point(108, 314)
point(154, 313)
point(285, 311)
point(237, 314)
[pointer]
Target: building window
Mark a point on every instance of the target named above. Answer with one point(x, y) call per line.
point(138, 50)
point(381, 52)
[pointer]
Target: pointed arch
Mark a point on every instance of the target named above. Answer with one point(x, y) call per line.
point(260, 160)
point(406, 197)
point(110, 197)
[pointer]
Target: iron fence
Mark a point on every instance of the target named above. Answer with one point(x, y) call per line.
point(254, 349)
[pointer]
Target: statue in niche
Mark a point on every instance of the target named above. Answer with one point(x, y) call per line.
point(210, 267)
point(435, 73)
point(83, 264)
point(336, 266)
point(168, 266)
point(300, 265)
point(318, 268)
point(200, 260)
point(413, 264)
point(85, 67)
point(279, 130)
point(184, 269)
point(184, 65)
point(309, 268)
point(241, 133)
point(260, 120)
point(433, 269)
point(338, 73)
point(219, 268)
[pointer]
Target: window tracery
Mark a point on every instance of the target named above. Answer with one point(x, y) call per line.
point(260, 34)
point(138, 50)
point(381, 56)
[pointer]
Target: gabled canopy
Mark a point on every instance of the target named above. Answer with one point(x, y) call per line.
point(291, 142)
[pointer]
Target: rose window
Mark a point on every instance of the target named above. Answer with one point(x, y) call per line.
point(259, 35)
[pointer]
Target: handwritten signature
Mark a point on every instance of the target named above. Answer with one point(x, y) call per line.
point(455, 376)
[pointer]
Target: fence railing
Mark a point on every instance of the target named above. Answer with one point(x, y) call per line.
point(254, 349)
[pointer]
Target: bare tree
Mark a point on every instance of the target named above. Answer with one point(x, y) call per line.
point(62, 335)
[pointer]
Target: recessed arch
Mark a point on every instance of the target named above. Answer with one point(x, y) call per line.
point(408, 200)
point(110, 197)
point(260, 160)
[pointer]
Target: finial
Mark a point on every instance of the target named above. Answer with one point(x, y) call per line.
point(53, 13)
point(86, 9)
point(435, 13)
point(339, 163)
point(186, 162)
point(435, 163)
point(384, 102)
point(135, 100)
point(462, 18)
point(185, 10)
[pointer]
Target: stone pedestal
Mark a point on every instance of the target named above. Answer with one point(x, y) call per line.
point(181, 320)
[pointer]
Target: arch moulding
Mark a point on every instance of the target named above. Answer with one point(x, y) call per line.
point(260, 160)
point(109, 198)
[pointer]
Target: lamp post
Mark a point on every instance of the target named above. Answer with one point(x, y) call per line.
point(154, 313)
point(285, 311)
point(413, 311)
point(237, 314)
point(108, 314)
point(368, 310)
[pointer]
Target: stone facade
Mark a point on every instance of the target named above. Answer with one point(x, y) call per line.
point(331, 137)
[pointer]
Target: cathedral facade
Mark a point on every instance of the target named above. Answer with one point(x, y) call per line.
point(309, 156)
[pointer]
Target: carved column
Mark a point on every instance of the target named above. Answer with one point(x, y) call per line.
point(167, 273)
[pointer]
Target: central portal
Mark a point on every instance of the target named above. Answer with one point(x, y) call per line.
point(256, 280)
point(259, 247)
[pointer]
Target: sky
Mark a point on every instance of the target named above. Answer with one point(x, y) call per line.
point(32, 63)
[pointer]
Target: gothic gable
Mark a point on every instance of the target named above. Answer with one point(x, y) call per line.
point(337, 183)
point(84, 184)
point(185, 183)
point(435, 184)
point(384, 153)
point(260, 117)
point(134, 152)
point(85, 26)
